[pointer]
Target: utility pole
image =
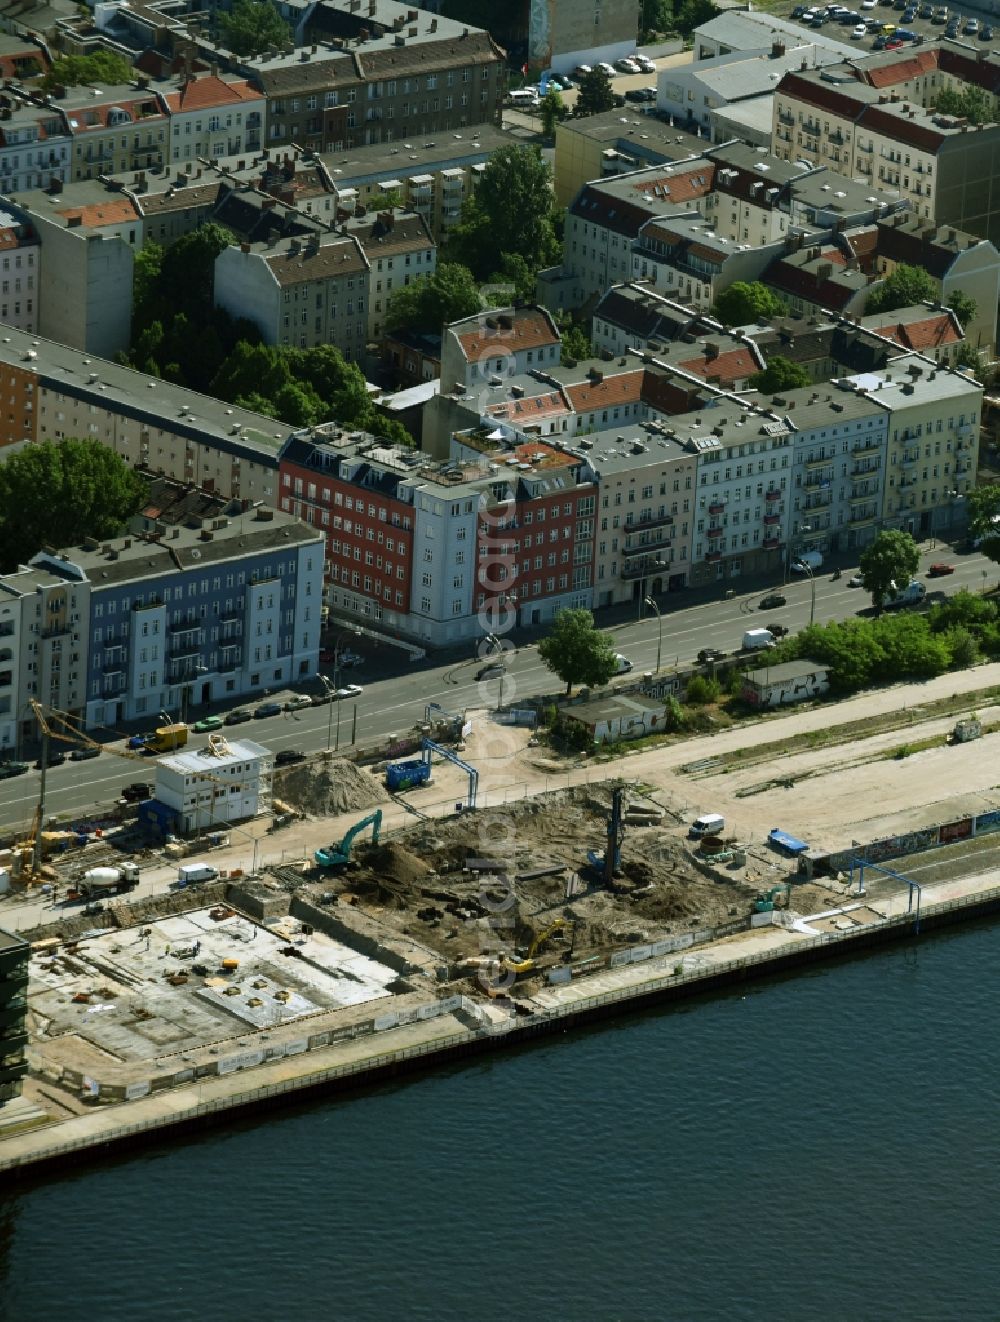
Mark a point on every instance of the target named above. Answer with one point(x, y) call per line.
point(648, 601)
point(36, 853)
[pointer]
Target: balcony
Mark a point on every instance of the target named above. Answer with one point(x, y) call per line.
point(820, 461)
point(910, 457)
point(716, 532)
point(820, 501)
point(654, 521)
point(55, 631)
point(772, 495)
point(183, 654)
point(713, 557)
point(644, 570)
point(866, 447)
point(645, 548)
point(771, 543)
point(187, 626)
point(717, 507)
point(863, 470)
point(772, 519)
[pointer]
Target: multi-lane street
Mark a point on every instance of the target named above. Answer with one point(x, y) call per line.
point(392, 705)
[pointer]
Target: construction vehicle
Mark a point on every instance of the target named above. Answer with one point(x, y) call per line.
point(609, 863)
point(765, 902)
point(99, 882)
point(543, 936)
point(404, 775)
point(339, 855)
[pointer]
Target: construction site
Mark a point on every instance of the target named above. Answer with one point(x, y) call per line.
point(487, 875)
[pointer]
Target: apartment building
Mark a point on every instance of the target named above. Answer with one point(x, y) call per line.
point(694, 263)
point(398, 249)
point(19, 270)
point(14, 955)
point(54, 391)
point(167, 619)
point(212, 116)
point(422, 546)
point(875, 120)
point(35, 145)
point(498, 343)
point(374, 71)
point(615, 142)
point(301, 291)
point(741, 32)
point(116, 128)
point(933, 440)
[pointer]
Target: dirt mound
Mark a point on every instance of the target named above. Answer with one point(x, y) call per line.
point(328, 787)
point(394, 862)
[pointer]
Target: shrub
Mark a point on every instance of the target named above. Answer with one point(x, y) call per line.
point(702, 690)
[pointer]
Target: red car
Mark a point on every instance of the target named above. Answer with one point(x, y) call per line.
point(894, 44)
point(940, 570)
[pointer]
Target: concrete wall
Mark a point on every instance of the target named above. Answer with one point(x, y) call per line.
point(84, 289)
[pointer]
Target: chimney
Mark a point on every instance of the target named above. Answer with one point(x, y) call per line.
point(434, 25)
point(777, 48)
point(387, 219)
point(245, 247)
point(711, 351)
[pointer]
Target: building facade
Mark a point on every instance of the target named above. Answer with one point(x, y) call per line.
point(14, 954)
point(227, 781)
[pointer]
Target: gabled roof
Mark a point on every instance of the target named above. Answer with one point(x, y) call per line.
point(516, 329)
point(926, 330)
point(615, 389)
point(208, 91)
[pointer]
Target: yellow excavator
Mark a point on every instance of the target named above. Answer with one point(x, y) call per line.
point(509, 964)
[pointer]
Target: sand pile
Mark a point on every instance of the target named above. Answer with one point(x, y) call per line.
point(327, 788)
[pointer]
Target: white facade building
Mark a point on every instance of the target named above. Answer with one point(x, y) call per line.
point(225, 782)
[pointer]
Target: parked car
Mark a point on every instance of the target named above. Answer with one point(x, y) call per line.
point(137, 792)
point(238, 716)
point(986, 33)
point(635, 94)
point(493, 670)
point(860, 31)
point(904, 34)
point(349, 691)
point(940, 570)
point(772, 601)
point(206, 724)
point(867, 4)
point(645, 63)
point(855, 581)
point(971, 27)
point(56, 758)
point(84, 754)
point(9, 769)
point(710, 654)
point(798, 11)
point(267, 709)
point(604, 67)
point(879, 43)
point(627, 65)
point(894, 43)
point(582, 70)
point(299, 701)
point(320, 699)
point(926, 12)
point(288, 756)
point(777, 630)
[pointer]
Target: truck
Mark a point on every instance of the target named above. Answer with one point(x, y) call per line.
point(192, 874)
point(755, 640)
point(167, 738)
point(99, 882)
point(622, 664)
point(912, 595)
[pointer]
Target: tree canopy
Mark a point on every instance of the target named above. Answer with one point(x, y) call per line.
point(904, 287)
point(983, 504)
point(779, 374)
point(576, 651)
point(510, 213)
point(971, 103)
point(744, 302)
point(58, 493)
point(963, 306)
point(575, 341)
point(595, 94)
point(553, 111)
point(83, 70)
point(433, 301)
point(887, 564)
point(251, 26)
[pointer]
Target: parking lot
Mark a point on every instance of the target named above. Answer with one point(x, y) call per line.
point(891, 24)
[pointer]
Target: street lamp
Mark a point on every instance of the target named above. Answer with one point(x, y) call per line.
point(331, 689)
point(806, 569)
point(647, 569)
point(648, 601)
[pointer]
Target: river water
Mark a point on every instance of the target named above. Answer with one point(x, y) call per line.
point(822, 1146)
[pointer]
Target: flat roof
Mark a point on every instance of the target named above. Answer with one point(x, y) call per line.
point(198, 762)
point(786, 670)
point(11, 941)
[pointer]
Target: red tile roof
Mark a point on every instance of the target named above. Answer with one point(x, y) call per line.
point(726, 368)
point(912, 64)
point(929, 333)
point(621, 388)
point(208, 91)
point(528, 329)
point(113, 212)
point(697, 181)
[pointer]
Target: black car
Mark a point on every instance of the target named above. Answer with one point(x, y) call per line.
point(635, 94)
point(710, 654)
point(986, 33)
point(137, 792)
point(776, 630)
point(772, 601)
point(9, 769)
point(56, 758)
point(288, 756)
point(798, 11)
point(238, 717)
point(267, 709)
point(320, 699)
point(84, 754)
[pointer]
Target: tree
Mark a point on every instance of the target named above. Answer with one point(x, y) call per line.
point(744, 302)
point(575, 341)
point(690, 14)
point(963, 306)
point(887, 564)
point(595, 95)
point(906, 286)
point(655, 17)
point(59, 493)
point(83, 70)
point(779, 374)
point(983, 504)
point(576, 651)
point(971, 103)
point(434, 301)
point(970, 358)
point(553, 111)
point(514, 270)
point(510, 212)
point(251, 26)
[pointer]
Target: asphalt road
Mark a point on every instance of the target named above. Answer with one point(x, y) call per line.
point(394, 704)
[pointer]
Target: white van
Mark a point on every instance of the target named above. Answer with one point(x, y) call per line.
point(622, 664)
point(526, 97)
point(190, 874)
point(756, 639)
point(710, 823)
